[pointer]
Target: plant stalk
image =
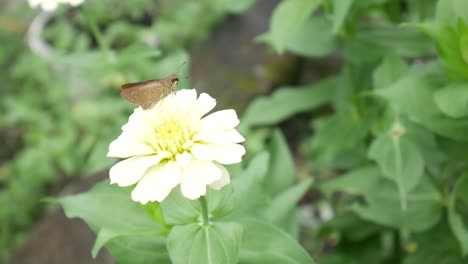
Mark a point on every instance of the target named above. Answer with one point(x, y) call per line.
point(204, 211)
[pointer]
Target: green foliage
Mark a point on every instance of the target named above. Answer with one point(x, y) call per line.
point(109, 222)
point(388, 141)
point(286, 102)
point(61, 108)
point(287, 19)
point(384, 137)
point(399, 159)
point(231, 234)
point(216, 243)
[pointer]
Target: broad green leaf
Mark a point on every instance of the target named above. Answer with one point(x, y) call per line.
point(453, 100)
point(429, 145)
point(424, 206)
point(456, 219)
point(136, 52)
point(400, 160)
point(448, 46)
point(359, 181)
point(436, 245)
point(374, 41)
point(281, 173)
point(281, 210)
point(238, 6)
point(139, 250)
point(450, 11)
point(340, 11)
point(217, 243)
point(314, 38)
point(179, 210)
point(339, 140)
point(288, 101)
point(287, 17)
point(390, 70)
point(249, 190)
point(265, 243)
point(413, 96)
point(110, 212)
point(350, 226)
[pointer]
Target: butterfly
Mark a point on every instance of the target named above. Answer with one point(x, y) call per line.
point(148, 93)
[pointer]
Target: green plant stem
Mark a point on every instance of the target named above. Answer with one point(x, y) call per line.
point(398, 165)
point(103, 45)
point(204, 211)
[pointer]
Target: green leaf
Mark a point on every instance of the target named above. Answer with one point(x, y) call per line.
point(110, 212)
point(453, 99)
point(249, 190)
point(456, 219)
point(373, 41)
point(450, 11)
point(281, 211)
point(178, 210)
point(339, 140)
point(265, 243)
point(287, 17)
point(390, 70)
point(288, 101)
point(436, 245)
point(139, 250)
point(424, 206)
point(412, 95)
point(350, 226)
point(314, 38)
point(217, 243)
point(238, 6)
point(281, 173)
point(340, 11)
point(358, 182)
point(448, 46)
point(399, 159)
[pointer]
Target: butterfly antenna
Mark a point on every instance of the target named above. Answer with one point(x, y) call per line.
point(180, 67)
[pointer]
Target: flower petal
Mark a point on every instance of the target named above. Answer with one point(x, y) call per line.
point(126, 145)
point(203, 105)
point(204, 151)
point(229, 154)
point(223, 181)
point(157, 183)
point(221, 120)
point(128, 172)
point(177, 102)
point(139, 127)
point(196, 176)
point(222, 153)
point(184, 159)
point(219, 137)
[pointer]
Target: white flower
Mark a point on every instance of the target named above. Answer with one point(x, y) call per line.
point(50, 5)
point(174, 143)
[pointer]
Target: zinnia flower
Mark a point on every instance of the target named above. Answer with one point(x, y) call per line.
point(174, 143)
point(50, 5)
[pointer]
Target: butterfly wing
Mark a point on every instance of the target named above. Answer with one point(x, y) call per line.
point(146, 93)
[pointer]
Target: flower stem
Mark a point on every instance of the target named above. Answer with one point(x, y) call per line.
point(97, 34)
point(204, 211)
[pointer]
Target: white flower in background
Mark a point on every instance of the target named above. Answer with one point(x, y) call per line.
point(50, 5)
point(174, 143)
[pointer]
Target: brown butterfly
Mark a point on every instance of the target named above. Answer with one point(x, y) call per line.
point(148, 93)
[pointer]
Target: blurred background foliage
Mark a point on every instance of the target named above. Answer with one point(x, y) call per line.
point(395, 67)
point(59, 94)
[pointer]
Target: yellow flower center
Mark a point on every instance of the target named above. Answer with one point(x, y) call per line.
point(167, 131)
point(172, 136)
